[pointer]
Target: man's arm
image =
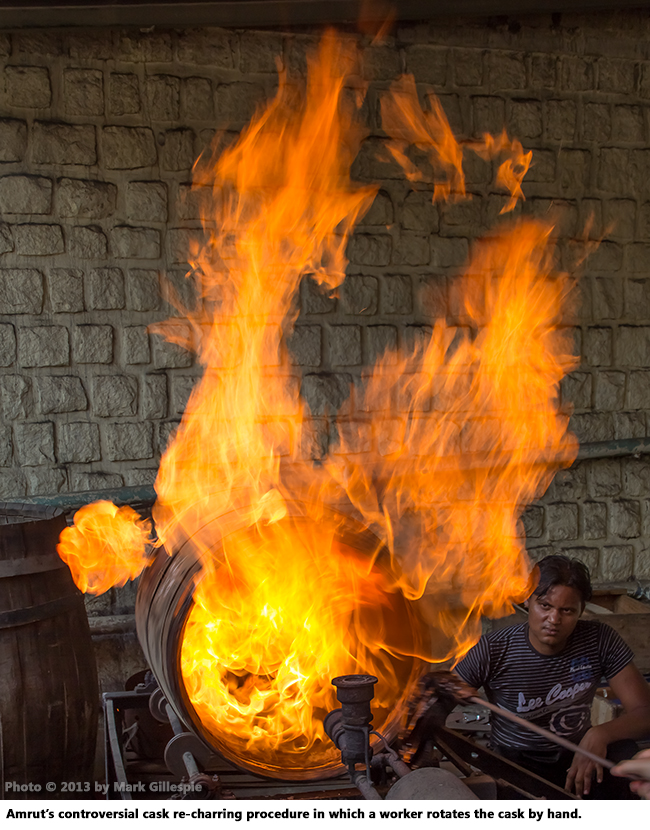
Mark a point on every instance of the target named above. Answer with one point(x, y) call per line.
point(637, 767)
point(474, 668)
point(634, 693)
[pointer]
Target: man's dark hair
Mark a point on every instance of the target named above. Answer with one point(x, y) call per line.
point(560, 570)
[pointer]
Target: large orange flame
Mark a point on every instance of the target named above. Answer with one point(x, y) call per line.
point(469, 434)
point(283, 205)
point(441, 449)
point(106, 546)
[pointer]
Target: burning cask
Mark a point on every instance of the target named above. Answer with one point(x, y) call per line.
point(239, 689)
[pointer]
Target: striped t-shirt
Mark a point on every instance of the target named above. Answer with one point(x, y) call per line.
point(554, 691)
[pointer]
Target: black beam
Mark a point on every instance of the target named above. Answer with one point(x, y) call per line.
point(263, 13)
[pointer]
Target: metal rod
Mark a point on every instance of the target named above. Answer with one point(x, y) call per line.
point(397, 765)
point(176, 725)
point(556, 739)
point(190, 765)
point(147, 495)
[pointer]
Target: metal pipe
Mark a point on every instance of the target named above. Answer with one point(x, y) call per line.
point(613, 449)
point(618, 448)
point(397, 765)
point(360, 781)
point(73, 501)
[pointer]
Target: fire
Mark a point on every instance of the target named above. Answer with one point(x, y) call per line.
point(283, 205)
point(409, 125)
point(106, 546)
point(444, 445)
point(286, 604)
point(475, 438)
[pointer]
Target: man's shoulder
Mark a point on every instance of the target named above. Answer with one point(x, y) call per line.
point(601, 634)
point(593, 629)
point(508, 634)
point(514, 637)
point(591, 626)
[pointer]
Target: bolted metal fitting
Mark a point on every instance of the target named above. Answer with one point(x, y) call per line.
point(349, 726)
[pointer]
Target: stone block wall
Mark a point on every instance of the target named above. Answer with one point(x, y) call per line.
point(98, 133)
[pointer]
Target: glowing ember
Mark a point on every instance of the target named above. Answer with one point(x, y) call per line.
point(106, 546)
point(441, 450)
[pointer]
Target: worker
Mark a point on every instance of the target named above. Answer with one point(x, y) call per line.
point(547, 670)
point(639, 766)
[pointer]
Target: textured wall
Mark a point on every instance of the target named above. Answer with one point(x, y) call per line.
point(98, 132)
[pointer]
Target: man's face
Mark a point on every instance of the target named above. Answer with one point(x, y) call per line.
point(552, 618)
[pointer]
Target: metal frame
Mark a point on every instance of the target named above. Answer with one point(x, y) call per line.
point(244, 785)
point(115, 770)
point(506, 773)
point(512, 781)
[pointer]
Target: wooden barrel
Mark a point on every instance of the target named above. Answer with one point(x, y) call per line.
point(165, 599)
point(49, 696)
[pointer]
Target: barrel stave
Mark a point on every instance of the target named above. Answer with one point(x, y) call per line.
point(48, 679)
